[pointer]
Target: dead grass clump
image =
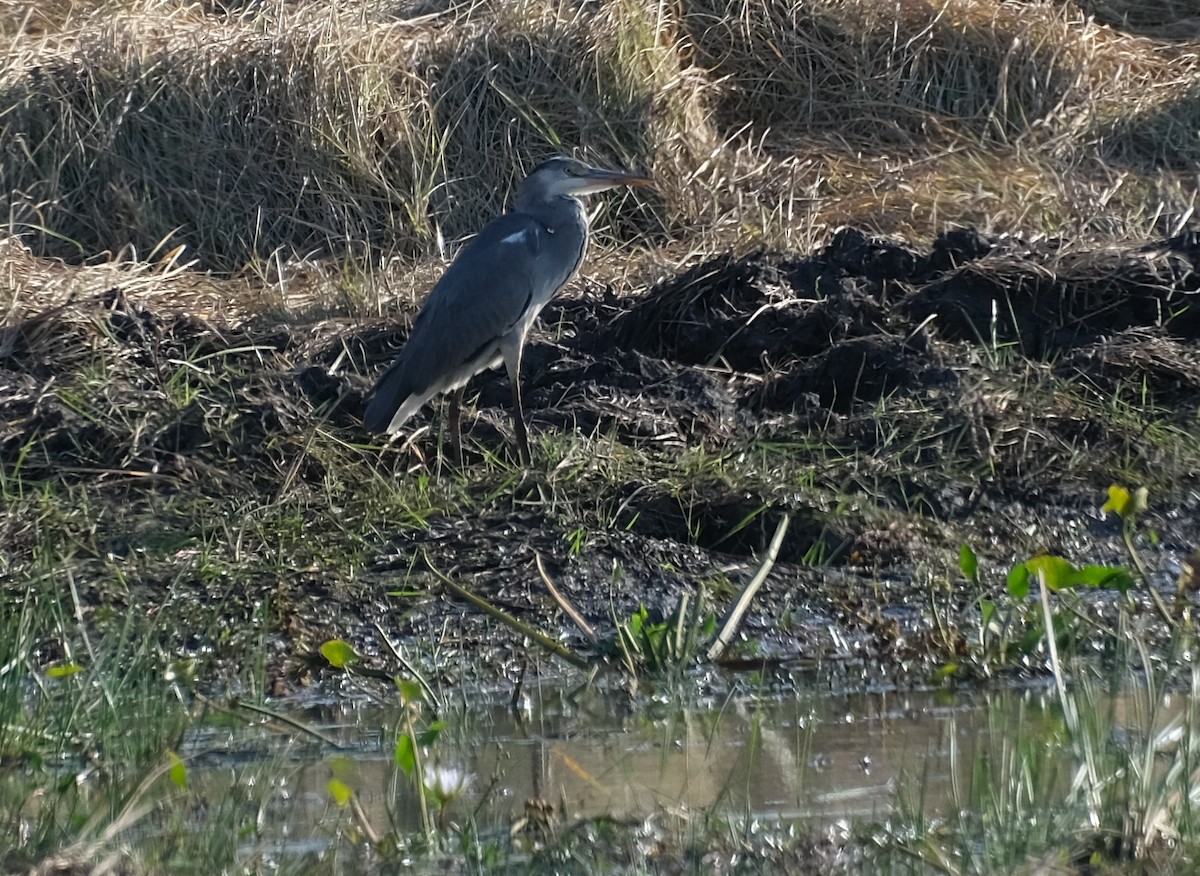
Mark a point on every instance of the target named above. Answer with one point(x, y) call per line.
point(896, 71)
point(1046, 301)
point(1162, 19)
point(36, 285)
point(539, 79)
point(1032, 431)
point(1150, 364)
point(111, 389)
point(1145, 109)
point(298, 128)
point(1010, 116)
point(694, 317)
point(330, 131)
point(236, 146)
point(995, 189)
point(1161, 130)
point(41, 16)
point(855, 371)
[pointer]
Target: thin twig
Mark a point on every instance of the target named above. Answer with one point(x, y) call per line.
point(430, 693)
point(551, 645)
point(1127, 533)
point(738, 610)
point(364, 823)
point(291, 722)
point(566, 606)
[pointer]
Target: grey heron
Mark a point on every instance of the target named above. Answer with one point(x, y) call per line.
point(479, 313)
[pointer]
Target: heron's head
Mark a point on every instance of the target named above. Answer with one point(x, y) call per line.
point(566, 176)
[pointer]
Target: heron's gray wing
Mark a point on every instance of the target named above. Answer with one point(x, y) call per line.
point(483, 295)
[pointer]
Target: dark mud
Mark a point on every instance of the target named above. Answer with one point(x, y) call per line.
point(896, 401)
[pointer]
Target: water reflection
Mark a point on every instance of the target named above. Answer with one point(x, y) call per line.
point(812, 757)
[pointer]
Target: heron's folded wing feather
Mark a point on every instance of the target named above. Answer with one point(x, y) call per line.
point(482, 296)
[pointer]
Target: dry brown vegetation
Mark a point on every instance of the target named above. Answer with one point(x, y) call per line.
point(211, 204)
point(915, 273)
point(175, 169)
point(243, 130)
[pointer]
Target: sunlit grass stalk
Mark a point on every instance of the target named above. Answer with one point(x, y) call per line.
point(410, 730)
point(1068, 704)
point(739, 608)
point(564, 603)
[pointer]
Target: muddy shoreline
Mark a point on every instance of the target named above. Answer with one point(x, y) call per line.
point(896, 401)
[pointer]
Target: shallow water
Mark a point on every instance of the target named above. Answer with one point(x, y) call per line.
point(810, 757)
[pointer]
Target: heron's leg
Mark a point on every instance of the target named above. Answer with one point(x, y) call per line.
point(454, 425)
point(519, 423)
point(513, 364)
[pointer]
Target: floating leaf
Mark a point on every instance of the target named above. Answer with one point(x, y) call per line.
point(64, 670)
point(968, 563)
point(1018, 581)
point(406, 757)
point(410, 691)
point(339, 654)
point(339, 791)
point(1059, 574)
point(1108, 577)
point(1054, 571)
point(431, 733)
point(178, 772)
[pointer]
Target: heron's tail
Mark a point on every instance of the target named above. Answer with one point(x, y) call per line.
point(392, 401)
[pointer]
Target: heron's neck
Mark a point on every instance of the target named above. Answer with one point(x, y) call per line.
point(562, 213)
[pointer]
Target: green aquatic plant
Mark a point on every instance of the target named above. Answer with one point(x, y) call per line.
point(1108, 784)
point(1103, 778)
point(1012, 627)
point(662, 646)
point(435, 776)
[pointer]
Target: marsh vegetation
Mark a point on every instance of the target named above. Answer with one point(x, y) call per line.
point(920, 279)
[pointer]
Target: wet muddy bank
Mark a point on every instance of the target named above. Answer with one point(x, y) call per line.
point(896, 401)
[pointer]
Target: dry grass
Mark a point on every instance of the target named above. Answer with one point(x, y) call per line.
point(890, 73)
point(310, 129)
point(319, 151)
point(1164, 19)
point(235, 140)
point(363, 128)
